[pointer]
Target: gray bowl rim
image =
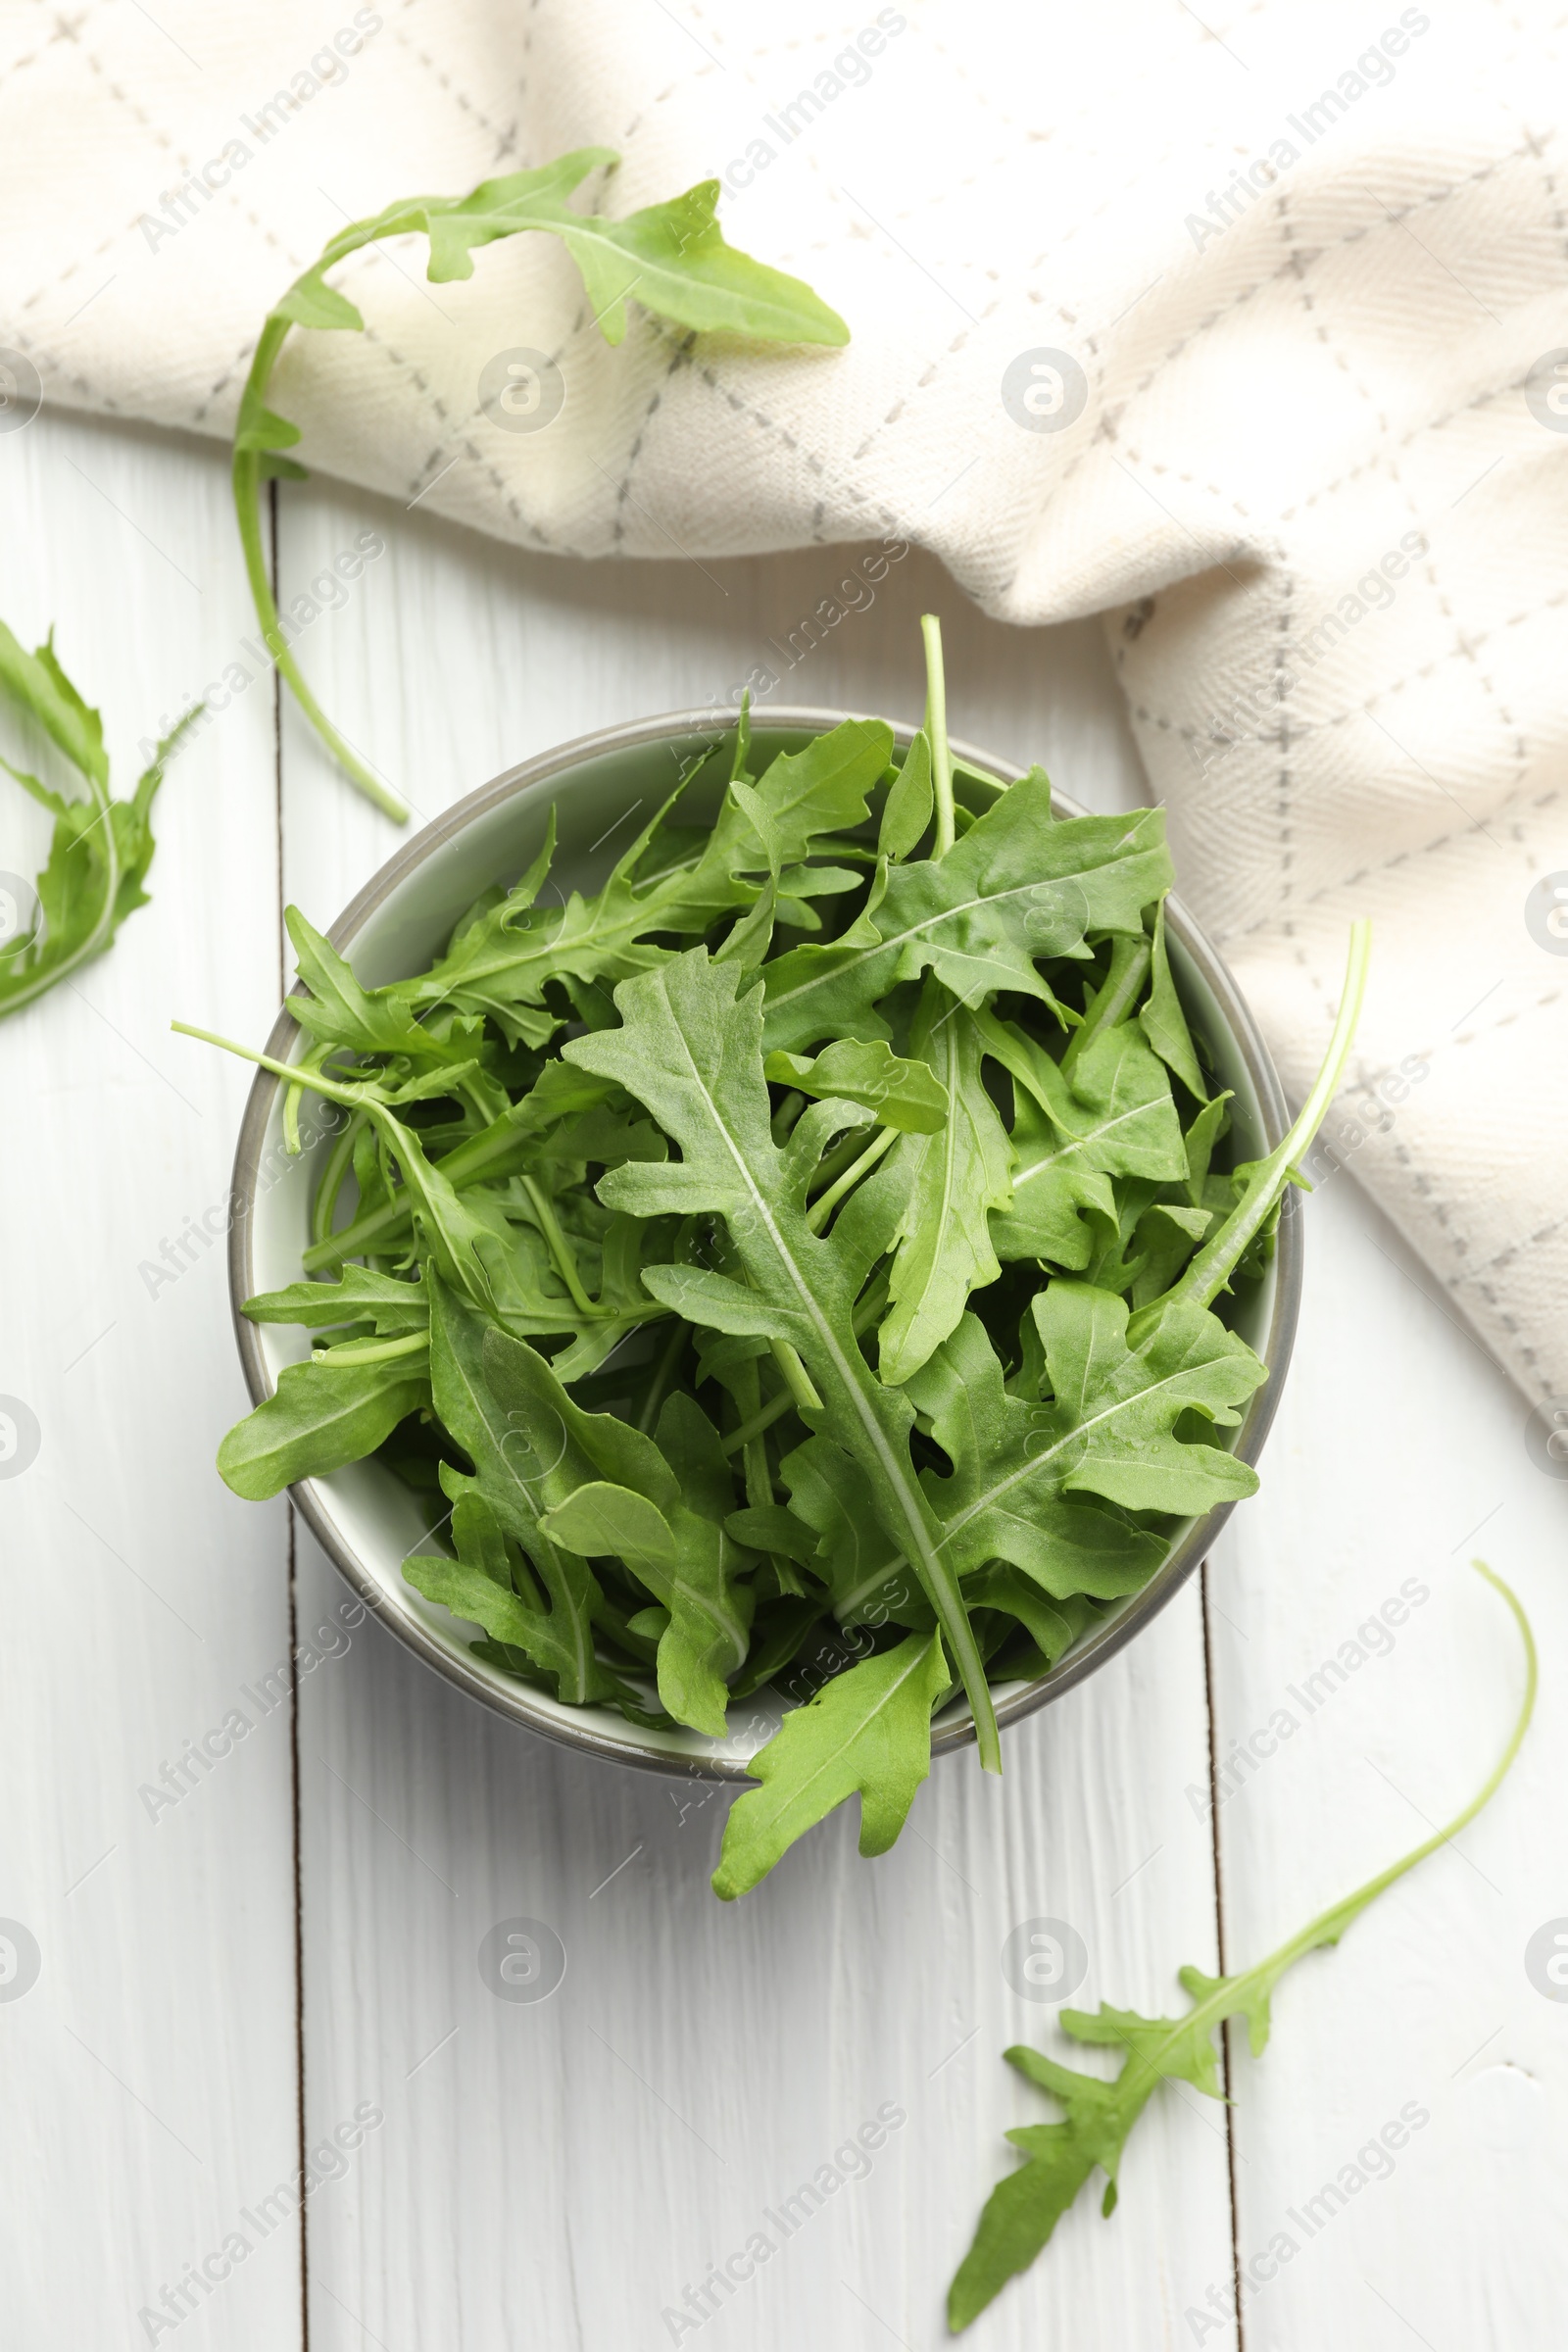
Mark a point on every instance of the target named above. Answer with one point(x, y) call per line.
point(313, 1495)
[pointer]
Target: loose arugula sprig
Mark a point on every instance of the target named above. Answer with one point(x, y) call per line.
point(671, 257)
point(101, 848)
point(799, 1247)
point(1024, 2209)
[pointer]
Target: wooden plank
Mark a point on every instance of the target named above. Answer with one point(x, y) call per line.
point(142, 1599)
point(566, 2169)
point(1399, 1452)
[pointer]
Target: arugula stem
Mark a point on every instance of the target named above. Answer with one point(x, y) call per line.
point(1101, 2115)
point(822, 1208)
point(664, 1373)
point(797, 1378)
point(1339, 1915)
point(248, 512)
point(351, 1097)
point(783, 1120)
point(935, 724)
point(868, 1312)
point(467, 1163)
point(1330, 1925)
point(561, 1250)
point(1210, 1270)
point(333, 1175)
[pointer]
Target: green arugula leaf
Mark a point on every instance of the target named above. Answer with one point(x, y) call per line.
point(688, 1562)
point(1163, 1022)
point(1016, 1491)
point(339, 1012)
point(906, 1095)
point(690, 1048)
point(481, 1585)
point(672, 257)
point(1057, 1208)
point(1015, 888)
point(868, 1732)
point(391, 1303)
point(1108, 1101)
point(502, 962)
point(958, 1175)
point(512, 1143)
point(1025, 2207)
point(907, 812)
point(868, 1577)
point(531, 1446)
point(101, 848)
point(321, 1416)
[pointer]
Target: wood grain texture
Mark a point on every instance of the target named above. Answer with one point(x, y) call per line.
point(559, 2173)
point(1399, 1453)
point(150, 2071)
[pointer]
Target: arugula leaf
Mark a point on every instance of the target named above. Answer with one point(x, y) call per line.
point(690, 1047)
point(531, 1446)
point(958, 1175)
point(339, 1012)
point(481, 1585)
point(868, 1732)
point(907, 812)
point(672, 256)
point(502, 962)
point(1163, 1022)
point(1022, 1472)
point(101, 848)
point(321, 1416)
point(504, 1149)
point(865, 1570)
point(1025, 2207)
point(1015, 888)
point(907, 1095)
point(391, 1303)
point(688, 1561)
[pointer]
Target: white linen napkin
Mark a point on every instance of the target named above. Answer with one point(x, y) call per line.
point(1246, 332)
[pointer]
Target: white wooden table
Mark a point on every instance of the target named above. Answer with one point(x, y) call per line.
point(226, 1979)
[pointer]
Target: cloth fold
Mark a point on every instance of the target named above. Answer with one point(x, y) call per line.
point(1246, 334)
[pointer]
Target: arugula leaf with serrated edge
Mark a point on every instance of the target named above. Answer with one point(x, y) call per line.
point(690, 1047)
point(502, 961)
point(671, 257)
point(1015, 888)
point(101, 848)
point(867, 1732)
point(1099, 2115)
point(957, 1176)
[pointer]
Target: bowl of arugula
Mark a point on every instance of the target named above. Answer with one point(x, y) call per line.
point(760, 1251)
